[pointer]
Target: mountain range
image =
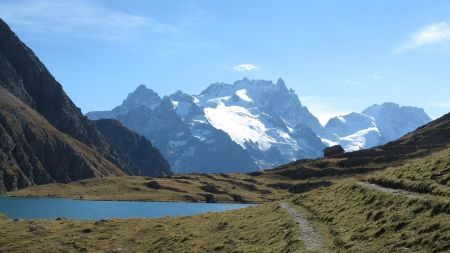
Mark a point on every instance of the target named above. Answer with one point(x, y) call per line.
point(251, 124)
point(239, 127)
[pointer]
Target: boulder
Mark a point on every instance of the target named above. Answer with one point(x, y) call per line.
point(333, 151)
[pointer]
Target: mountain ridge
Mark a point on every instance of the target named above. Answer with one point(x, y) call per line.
point(266, 119)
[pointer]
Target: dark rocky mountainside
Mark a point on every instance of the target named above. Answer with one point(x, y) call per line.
point(22, 74)
point(144, 158)
point(32, 151)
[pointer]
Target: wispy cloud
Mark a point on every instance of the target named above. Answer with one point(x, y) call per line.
point(377, 77)
point(78, 18)
point(326, 108)
point(245, 67)
point(440, 104)
point(352, 82)
point(427, 35)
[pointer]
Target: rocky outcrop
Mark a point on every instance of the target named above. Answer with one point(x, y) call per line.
point(144, 158)
point(333, 151)
point(32, 151)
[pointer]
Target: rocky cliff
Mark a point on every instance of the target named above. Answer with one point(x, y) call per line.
point(44, 137)
point(144, 158)
point(32, 151)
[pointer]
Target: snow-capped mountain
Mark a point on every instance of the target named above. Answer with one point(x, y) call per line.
point(251, 124)
point(262, 115)
point(376, 125)
point(228, 127)
point(394, 121)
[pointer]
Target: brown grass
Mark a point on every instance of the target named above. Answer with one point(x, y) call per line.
point(263, 228)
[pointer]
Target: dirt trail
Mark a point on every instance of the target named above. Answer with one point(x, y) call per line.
point(312, 239)
point(390, 190)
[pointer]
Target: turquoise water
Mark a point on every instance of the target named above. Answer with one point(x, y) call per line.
point(51, 208)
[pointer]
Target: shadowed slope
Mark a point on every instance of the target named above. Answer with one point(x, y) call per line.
point(33, 152)
point(22, 74)
point(144, 158)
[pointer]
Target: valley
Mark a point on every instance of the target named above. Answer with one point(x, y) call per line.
point(371, 181)
point(348, 214)
point(400, 204)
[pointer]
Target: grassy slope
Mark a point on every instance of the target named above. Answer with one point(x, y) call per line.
point(263, 228)
point(428, 175)
point(189, 187)
point(368, 220)
point(363, 220)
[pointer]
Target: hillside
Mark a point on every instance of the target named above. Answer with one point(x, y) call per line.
point(22, 74)
point(32, 151)
point(31, 155)
point(144, 159)
point(405, 208)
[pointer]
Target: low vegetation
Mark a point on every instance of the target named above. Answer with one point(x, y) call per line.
point(429, 175)
point(364, 219)
point(359, 217)
point(367, 220)
point(262, 228)
point(241, 188)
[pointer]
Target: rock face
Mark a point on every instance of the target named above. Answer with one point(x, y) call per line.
point(22, 74)
point(236, 127)
point(32, 151)
point(333, 151)
point(44, 137)
point(178, 141)
point(144, 158)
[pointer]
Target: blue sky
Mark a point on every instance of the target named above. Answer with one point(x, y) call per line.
point(339, 56)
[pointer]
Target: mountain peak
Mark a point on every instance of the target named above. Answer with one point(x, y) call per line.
point(141, 87)
point(142, 96)
point(280, 82)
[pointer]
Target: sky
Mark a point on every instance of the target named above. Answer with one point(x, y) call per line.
point(339, 56)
